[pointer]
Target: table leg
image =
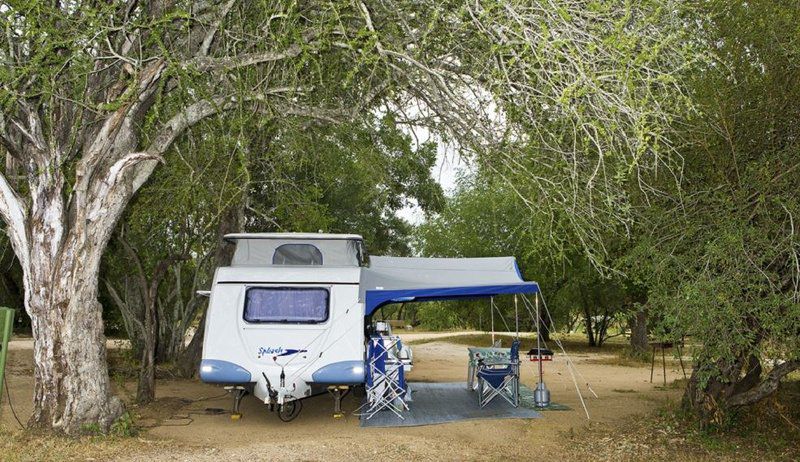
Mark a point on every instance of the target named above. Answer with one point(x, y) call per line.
point(680, 358)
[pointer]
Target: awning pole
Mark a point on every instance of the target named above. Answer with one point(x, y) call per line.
point(491, 308)
point(516, 314)
point(538, 339)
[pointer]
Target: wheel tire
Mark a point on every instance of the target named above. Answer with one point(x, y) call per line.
point(289, 411)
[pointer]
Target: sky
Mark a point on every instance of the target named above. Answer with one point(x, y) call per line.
point(448, 165)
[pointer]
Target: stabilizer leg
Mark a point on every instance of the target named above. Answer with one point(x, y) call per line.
point(238, 394)
point(338, 392)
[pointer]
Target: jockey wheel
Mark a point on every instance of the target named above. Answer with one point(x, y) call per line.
point(290, 410)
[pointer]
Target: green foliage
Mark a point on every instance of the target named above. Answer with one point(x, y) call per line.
point(486, 217)
point(124, 426)
point(720, 256)
point(708, 243)
point(345, 178)
point(280, 176)
point(91, 429)
point(440, 316)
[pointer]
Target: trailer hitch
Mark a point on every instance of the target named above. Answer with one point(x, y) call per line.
point(273, 393)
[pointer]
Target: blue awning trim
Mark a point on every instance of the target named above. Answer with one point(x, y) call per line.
point(374, 299)
point(516, 268)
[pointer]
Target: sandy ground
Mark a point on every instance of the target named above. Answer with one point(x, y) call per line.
point(183, 417)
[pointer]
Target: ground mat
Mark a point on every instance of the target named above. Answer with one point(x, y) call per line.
point(435, 403)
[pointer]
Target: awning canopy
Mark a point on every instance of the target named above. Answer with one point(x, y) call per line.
point(401, 279)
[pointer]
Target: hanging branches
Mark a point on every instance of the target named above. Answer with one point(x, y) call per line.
point(570, 102)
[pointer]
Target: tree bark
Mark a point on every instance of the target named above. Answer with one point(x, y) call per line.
point(59, 240)
point(189, 361)
point(544, 327)
point(638, 326)
point(71, 384)
point(587, 319)
point(146, 389)
point(740, 383)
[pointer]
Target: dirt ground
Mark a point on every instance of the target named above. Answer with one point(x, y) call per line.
point(191, 420)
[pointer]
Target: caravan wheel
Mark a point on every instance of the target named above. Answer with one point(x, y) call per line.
point(288, 411)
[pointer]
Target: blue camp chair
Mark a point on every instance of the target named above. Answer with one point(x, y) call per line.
point(499, 378)
point(385, 381)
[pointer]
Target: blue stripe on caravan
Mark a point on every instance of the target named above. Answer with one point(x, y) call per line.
point(341, 373)
point(219, 371)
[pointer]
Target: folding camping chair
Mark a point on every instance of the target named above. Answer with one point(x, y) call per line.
point(500, 378)
point(386, 382)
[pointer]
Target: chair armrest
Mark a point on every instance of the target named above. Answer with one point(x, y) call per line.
point(497, 362)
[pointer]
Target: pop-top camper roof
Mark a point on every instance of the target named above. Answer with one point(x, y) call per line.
point(296, 249)
point(386, 280)
point(406, 279)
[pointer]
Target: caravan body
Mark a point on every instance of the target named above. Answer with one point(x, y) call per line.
point(284, 320)
point(287, 319)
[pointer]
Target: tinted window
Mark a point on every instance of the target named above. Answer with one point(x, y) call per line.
point(286, 304)
point(297, 254)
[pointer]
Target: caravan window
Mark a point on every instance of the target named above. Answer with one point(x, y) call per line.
point(297, 254)
point(286, 305)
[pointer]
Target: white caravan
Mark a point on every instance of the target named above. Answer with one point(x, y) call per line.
point(290, 317)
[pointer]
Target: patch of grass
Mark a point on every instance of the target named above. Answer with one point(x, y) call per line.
point(124, 426)
point(24, 446)
point(622, 359)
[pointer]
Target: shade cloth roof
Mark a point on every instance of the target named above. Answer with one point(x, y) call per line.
point(406, 279)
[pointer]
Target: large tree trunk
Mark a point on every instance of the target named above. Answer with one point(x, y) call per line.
point(71, 383)
point(59, 240)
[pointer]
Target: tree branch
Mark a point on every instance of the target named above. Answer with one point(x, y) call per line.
point(6, 141)
point(767, 387)
point(14, 214)
point(209, 38)
point(127, 311)
point(203, 63)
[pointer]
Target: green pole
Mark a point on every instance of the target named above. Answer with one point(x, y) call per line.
point(6, 324)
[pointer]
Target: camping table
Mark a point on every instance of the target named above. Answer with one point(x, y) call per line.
point(485, 353)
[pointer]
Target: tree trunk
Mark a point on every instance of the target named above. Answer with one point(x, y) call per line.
point(189, 361)
point(739, 383)
point(146, 388)
point(587, 318)
point(601, 331)
point(572, 322)
point(638, 326)
point(544, 328)
point(589, 328)
point(71, 385)
point(59, 247)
